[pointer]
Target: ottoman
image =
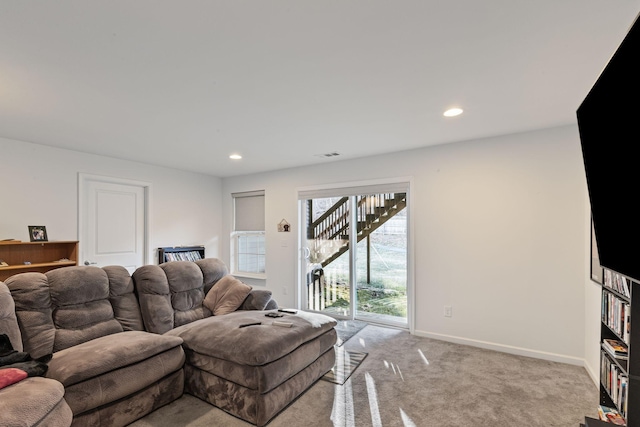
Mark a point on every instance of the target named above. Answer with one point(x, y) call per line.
point(254, 372)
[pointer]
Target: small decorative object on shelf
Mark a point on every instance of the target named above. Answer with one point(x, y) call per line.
point(180, 253)
point(38, 233)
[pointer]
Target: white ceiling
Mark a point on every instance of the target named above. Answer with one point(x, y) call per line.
point(185, 83)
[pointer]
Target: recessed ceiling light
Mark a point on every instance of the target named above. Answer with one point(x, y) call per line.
point(452, 112)
point(235, 157)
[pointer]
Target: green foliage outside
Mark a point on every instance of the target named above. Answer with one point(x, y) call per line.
point(386, 294)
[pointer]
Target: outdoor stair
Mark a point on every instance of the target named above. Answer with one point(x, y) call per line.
point(373, 212)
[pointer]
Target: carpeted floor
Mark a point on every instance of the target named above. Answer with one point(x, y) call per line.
point(348, 328)
point(412, 381)
point(347, 361)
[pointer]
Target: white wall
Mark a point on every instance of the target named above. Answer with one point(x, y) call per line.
point(40, 187)
point(501, 229)
point(499, 234)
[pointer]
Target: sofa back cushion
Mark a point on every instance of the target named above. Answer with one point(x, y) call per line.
point(171, 294)
point(123, 298)
point(71, 305)
point(8, 320)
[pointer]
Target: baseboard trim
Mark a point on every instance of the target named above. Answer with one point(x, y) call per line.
point(595, 375)
point(506, 349)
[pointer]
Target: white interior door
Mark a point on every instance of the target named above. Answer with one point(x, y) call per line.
point(112, 222)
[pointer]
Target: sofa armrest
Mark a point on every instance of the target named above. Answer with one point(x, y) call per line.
point(34, 401)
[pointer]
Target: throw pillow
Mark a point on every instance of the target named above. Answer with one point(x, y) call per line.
point(257, 300)
point(226, 296)
point(10, 376)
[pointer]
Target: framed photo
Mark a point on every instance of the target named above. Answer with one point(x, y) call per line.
point(597, 272)
point(38, 233)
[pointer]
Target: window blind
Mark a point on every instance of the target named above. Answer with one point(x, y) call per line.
point(248, 211)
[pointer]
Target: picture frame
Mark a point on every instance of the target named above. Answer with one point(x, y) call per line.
point(597, 271)
point(38, 233)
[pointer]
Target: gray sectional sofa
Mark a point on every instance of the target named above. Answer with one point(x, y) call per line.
point(124, 345)
point(34, 401)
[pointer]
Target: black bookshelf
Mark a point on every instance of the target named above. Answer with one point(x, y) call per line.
point(180, 253)
point(592, 422)
point(618, 313)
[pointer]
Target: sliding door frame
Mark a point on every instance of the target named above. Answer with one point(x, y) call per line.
point(367, 186)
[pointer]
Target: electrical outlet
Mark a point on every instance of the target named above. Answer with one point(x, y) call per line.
point(284, 290)
point(448, 311)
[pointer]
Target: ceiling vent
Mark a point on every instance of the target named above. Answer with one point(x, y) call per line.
point(332, 154)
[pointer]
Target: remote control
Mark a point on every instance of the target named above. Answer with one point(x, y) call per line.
point(283, 324)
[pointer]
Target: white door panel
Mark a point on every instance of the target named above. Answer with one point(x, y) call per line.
point(113, 223)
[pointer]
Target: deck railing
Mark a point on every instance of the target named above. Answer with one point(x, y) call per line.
point(329, 238)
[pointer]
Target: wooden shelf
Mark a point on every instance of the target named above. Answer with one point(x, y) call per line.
point(42, 256)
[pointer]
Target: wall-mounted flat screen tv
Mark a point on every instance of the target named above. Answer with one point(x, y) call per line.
point(609, 126)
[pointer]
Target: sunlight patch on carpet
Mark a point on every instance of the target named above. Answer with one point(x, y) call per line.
point(343, 413)
point(346, 363)
point(376, 420)
point(347, 329)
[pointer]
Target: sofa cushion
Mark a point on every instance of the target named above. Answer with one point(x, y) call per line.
point(170, 294)
point(213, 269)
point(83, 311)
point(226, 296)
point(221, 337)
point(30, 292)
point(154, 297)
point(123, 298)
point(8, 320)
point(121, 383)
point(123, 412)
point(268, 376)
point(72, 305)
point(105, 354)
point(258, 299)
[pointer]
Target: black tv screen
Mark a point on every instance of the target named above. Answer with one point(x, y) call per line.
point(609, 126)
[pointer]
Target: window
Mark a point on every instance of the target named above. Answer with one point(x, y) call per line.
point(248, 256)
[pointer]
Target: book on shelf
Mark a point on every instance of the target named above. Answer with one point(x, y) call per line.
point(615, 382)
point(616, 314)
point(616, 348)
point(183, 256)
point(610, 415)
point(617, 282)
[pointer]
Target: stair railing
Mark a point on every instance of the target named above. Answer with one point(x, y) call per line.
point(332, 227)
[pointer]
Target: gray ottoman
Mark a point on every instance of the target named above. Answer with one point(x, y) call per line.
point(254, 372)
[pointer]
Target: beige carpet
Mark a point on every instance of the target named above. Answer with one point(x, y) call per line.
point(410, 381)
point(346, 364)
point(348, 328)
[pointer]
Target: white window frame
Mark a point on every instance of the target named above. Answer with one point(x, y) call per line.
point(260, 255)
point(254, 231)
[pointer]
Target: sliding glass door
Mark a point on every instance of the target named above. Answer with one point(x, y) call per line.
point(355, 254)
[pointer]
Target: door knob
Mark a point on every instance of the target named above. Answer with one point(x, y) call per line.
point(90, 263)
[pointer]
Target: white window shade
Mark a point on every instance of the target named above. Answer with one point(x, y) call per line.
point(249, 211)
point(248, 257)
